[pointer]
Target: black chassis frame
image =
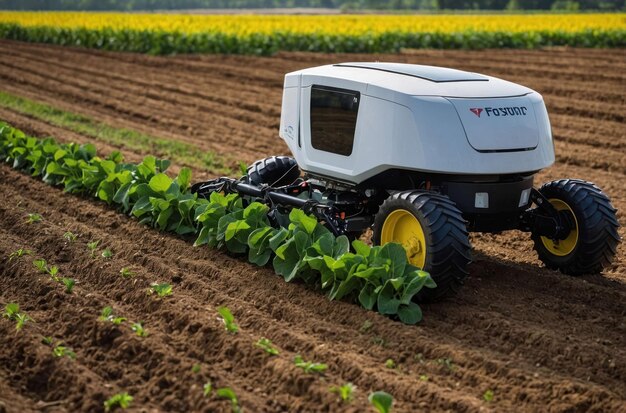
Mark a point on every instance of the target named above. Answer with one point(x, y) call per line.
point(543, 219)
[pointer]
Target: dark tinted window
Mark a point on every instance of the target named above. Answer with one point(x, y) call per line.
point(333, 119)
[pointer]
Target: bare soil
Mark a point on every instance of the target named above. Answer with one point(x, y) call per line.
point(540, 340)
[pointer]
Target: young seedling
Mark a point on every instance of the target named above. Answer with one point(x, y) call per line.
point(19, 253)
point(126, 273)
point(447, 362)
point(32, 218)
point(195, 369)
point(92, 247)
point(162, 290)
point(488, 396)
point(107, 315)
point(390, 364)
point(62, 351)
point(346, 392)
point(20, 320)
point(11, 311)
point(267, 346)
point(367, 325)
point(121, 400)
point(41, 265)
point(228, 393)
point(207, 389)
point(381, 401)
point(69, 284)
point(139, 330)
point(53, 271)
point(228, 319)
point(424, 377)
point(308, 366)
point(106, 254)
point(243, 168)
point(70, 237)
point(47, 340)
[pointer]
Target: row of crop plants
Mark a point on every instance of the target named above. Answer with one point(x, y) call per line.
point(262, 35)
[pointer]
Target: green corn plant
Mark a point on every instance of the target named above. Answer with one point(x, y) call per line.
point(346, 392)
point(53, 271)
point(62, 351)
point(267, 346)
point(70, 237)
point(228, 319)
point(69, 284)
point(47, 340)
point(162, 290)
point(92, 247)
point(19, 253)
point(126, 273)
point(228, 393)
point(106, 254)
point(139, 329)
point(121, 400)
point(21, 320)
point(381, 401)
point(32, 218)
point(308, 366)
point(207, 389)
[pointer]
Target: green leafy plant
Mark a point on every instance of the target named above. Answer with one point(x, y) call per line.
point(447, 363)
point(366, 326)
point(127, 273)
point(11, 311)
point(47, 340)
point(228, 393)
point(32, 218)
point(121, 400)
point(228, 319)
point(19, 253)
point(243, 168)
point(107, 315)
point(62, 351)
point(69, 284)
point(488, 396)
point(390, 364)
point(381, 401)
point(106, 254)
point(346, 392)
point(266, 345)
point(70, 237)
point(21, 320)
point(92, 247)
point(207, 389)
point(196, 368)
point(139, 329)
point(41, 265)
point(423, 377)
point(162, 290)
point(309, 367)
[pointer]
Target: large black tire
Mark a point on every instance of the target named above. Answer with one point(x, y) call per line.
point(595, 242)
point(274, 171)
point(447, 247)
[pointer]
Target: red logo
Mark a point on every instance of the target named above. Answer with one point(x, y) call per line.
point(476, 111)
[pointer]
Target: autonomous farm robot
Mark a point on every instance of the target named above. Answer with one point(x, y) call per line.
point(422, 155)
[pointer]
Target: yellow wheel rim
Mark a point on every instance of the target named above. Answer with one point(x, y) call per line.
point(402, 227)
point(562, 247)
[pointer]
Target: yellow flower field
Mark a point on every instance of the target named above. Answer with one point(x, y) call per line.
point(266, 34)
point(242, 25)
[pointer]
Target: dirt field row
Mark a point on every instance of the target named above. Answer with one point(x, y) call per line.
point(540, 340)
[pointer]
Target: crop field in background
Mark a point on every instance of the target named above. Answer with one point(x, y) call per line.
point(111, 309)
point(266, 34)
